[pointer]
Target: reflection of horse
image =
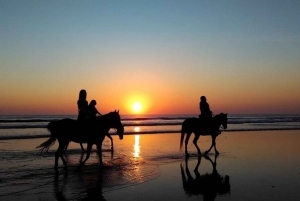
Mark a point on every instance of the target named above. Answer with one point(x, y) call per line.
point(90, 131)
point(194, 125)
point(207, 185)
point(85, 186)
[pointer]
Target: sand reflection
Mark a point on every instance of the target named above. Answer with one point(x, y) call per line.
point(209, 185)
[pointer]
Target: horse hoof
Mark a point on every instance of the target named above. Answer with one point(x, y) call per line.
point(217, 153)
point(187, 155)
point(205, 153)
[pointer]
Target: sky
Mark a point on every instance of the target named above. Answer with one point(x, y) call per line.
point(161, 56)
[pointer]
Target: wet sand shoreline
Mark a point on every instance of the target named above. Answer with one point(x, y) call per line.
point(260, 165)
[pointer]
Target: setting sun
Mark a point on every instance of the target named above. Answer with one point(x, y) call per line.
point(137, 107)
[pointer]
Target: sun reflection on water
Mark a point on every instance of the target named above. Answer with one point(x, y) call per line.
point(137, 129)
point(136, 146)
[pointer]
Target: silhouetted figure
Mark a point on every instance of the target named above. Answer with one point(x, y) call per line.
point(82, 104)
point(206, 114)
point(83, 109)
point(83, 112)
point(194, 125)
point(207, 185)
point(93, 112)
point(91, 132)
point(92, 108)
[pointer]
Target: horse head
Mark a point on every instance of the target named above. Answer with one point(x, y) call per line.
point(116, 123)
point(224, 119)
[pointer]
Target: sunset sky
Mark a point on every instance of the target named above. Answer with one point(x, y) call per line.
point(243, 55)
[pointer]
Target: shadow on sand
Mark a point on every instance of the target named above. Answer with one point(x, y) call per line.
point(207, 185)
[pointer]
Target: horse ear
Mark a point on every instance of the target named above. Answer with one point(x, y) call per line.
point(118, 111)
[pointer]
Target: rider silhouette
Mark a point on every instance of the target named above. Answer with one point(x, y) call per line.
point(83, 108)
point(92, 108)
point(206, 114)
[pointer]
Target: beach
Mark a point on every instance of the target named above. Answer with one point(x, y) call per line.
point(252, 165)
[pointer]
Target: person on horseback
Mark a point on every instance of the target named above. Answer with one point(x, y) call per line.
point(206, 113)
point(204, 108)
point(83, 111)
point(92, 108)
point(82, 104)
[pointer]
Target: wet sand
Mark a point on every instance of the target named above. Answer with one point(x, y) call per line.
point(260, 165)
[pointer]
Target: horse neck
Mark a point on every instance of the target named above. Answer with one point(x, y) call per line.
point(217, 120)
point(107, 119)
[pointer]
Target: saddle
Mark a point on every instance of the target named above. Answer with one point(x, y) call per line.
point(205, 124)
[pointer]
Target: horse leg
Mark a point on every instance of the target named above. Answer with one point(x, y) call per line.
point(66, 147)
point(64, 161)
point(213, 144)
point(99, 150)
point(89, 149)
point(197, 136)
point(58, 154)
point(111, 141)
point(186, 143)
point(82, 149)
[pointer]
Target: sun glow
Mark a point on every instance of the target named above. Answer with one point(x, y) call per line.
point(137, 107)
point(137, 103)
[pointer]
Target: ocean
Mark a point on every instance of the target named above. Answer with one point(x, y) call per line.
point(34, 126)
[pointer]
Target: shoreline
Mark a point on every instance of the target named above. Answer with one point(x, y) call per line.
point(260, 165)
point(152, 133)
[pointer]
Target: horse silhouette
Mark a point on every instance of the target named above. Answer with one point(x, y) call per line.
point(207, 185)
point(196, 126)
point(83, 150)
point(91, 131)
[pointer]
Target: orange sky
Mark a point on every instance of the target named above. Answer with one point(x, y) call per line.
point(163, 55)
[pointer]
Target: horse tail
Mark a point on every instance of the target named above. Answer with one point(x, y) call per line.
point(182, 134)
point(44, 147)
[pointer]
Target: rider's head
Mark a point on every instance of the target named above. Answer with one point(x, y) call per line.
point(82, 94)
point(202, 98)
point(93, 103)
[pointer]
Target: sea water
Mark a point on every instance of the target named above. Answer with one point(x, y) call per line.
point(34, 126)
